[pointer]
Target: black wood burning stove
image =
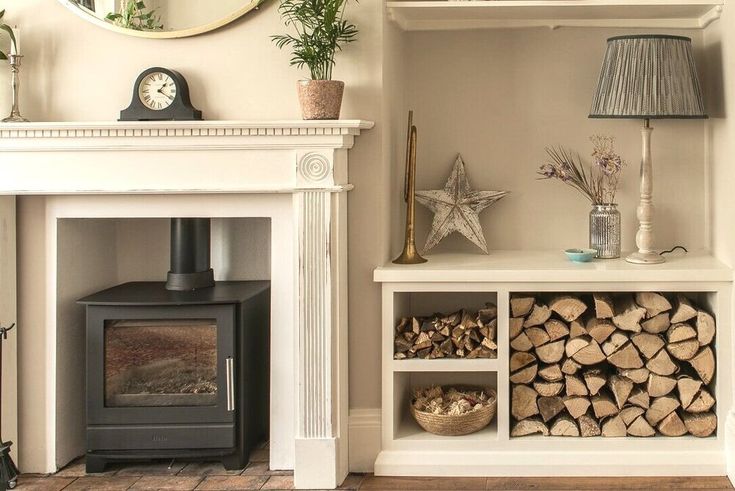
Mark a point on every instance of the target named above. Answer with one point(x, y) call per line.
point(178, 369)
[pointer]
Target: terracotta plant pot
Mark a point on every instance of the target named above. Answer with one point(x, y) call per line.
point(321, 99)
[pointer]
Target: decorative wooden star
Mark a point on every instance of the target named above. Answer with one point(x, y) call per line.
point(457, 208)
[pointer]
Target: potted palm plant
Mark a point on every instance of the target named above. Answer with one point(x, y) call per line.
point(320, 32)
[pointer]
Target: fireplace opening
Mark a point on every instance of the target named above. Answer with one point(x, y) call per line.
point(178, 368)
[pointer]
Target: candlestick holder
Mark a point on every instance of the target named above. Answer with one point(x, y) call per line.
point(15, 116)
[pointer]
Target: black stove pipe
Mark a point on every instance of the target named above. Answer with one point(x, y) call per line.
point(190, 254)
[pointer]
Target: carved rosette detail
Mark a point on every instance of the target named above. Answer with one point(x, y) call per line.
point(314, 167)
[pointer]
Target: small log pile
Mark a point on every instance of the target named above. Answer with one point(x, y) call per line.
point(623, 365)
point(462, 334)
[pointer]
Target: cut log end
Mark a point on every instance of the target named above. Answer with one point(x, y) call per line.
point(530, 426)
point(701, 425)
point(568, 307)
point(564, 426)
point(653, 302)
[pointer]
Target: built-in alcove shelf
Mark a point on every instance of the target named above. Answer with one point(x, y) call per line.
point(446, 365)
point(428, 15)
point(552, 266)
point(448, 282)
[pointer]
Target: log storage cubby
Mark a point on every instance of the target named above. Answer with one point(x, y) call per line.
point(461, 334)
point(407, 432)
point(603, 368)
point(614, 365)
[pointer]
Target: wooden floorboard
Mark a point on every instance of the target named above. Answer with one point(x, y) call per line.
point(257, 476)
point(547, 483)
point(423, 483)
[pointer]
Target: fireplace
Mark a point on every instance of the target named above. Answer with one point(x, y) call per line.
point(178, 369)
point(292, 174)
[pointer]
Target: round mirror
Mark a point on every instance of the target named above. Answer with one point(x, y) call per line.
point(161, 18)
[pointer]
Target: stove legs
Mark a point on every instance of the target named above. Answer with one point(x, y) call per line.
point(95, 464)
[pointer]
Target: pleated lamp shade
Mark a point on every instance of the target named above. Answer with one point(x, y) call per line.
point(648, 76)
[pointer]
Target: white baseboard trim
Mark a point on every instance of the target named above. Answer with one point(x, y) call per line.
point(503, 463)
point(364, 439)
point(730, 446)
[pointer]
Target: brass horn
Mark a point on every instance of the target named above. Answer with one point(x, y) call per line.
point(410, 255)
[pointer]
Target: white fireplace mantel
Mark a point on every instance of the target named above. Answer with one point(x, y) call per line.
point(284, 156)
point(214, 168)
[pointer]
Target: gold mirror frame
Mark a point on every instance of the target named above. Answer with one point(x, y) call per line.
point(182, 33)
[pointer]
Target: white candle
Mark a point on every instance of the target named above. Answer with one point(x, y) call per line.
point(15, 46)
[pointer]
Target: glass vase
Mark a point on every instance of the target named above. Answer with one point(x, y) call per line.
point(605, 231)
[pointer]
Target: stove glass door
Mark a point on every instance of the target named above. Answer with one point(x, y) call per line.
point(160, 362)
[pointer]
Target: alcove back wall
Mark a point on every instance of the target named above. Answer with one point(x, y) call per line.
point(500, 96)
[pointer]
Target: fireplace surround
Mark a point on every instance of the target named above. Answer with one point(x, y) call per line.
point(293, 173)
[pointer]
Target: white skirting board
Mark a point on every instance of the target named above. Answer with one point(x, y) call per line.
point(730, 446)
point(525, 463)
point(364, 445)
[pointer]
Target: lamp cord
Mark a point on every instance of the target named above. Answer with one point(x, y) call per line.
point(674, 249)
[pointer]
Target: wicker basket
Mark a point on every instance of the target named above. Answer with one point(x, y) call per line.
point(464, 424)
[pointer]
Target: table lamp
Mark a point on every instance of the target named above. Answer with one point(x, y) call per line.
point(646, 77)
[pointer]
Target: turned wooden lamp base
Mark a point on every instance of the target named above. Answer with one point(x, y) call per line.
point(645, 258)
point(644, 237)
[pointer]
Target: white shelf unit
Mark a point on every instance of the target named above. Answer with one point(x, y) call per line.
point(429, 15)
point(448, 280)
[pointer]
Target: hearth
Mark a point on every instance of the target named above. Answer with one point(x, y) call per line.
point(178, 369)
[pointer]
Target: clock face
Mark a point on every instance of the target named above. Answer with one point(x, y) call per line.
point(157, 91)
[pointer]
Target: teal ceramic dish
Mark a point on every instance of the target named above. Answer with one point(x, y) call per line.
point(581, 255)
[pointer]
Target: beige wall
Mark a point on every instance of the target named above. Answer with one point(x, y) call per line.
point(8, 316)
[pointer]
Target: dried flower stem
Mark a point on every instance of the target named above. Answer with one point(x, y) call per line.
point(599, 185)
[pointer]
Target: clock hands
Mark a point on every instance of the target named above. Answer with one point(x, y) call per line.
point(160, 91)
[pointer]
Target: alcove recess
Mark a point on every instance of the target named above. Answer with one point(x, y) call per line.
point(617, 365)
point(451, 282)
point(490, 80)
point(496, 81)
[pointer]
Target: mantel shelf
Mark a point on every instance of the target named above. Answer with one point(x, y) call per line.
point(552, 266)
point(430, 15)
point(138, 129)
point(184, 157)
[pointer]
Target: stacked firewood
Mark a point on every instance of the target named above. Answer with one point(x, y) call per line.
point(462, 334)
point(636, 365)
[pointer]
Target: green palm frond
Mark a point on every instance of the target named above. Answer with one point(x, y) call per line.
point(320, 31)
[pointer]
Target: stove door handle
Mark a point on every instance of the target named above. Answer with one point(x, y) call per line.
point(230, 372)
